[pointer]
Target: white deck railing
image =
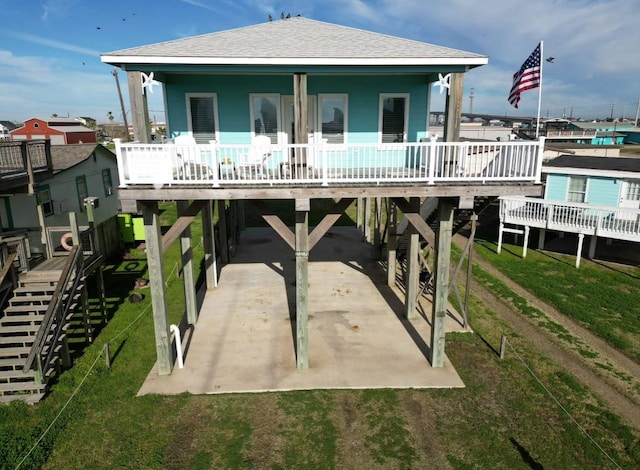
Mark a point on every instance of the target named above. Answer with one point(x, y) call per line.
point(425, 162)
point(603, 221)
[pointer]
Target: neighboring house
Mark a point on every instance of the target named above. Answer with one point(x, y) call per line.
point(603, 181)
point(5, 128)
point(79, 171)
point(596, 196)
point(299, 110)
point(58, 130)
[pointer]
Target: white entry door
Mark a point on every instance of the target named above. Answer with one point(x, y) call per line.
point(629, 198)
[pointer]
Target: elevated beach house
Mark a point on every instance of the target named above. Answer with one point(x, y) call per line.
point(300, 110)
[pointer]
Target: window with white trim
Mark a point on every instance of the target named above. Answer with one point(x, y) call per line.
point(265, 116)
point(633, 190)
point(393, 117)
point(332, 113)
point(43, 197)
point(107, 182)
point(202, 116)
point(577, 189)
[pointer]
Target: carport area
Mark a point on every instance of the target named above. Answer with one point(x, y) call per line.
point(244, 339)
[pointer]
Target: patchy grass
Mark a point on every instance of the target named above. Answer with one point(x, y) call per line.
point(502, 419)
point(601, 299)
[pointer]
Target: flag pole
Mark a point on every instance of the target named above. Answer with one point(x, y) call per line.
point(540, 89)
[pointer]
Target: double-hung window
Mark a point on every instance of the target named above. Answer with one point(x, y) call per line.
point(333, 112)
point(202, 116)
point(107, 182)
point(577, 189)
point(265, 115)
point(393, 117)
point(43, 197)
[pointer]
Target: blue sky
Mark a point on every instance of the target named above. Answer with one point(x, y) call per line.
point(49, 49)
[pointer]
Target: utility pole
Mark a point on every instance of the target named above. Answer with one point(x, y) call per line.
point(471, 92)
point(124, 113)
point(637, 113)
point(612, 105)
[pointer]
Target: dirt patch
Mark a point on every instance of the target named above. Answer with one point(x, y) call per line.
point(611, 383)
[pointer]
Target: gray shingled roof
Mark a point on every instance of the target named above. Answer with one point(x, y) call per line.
point(296, 40)
point(631, 164)
point(64, 157)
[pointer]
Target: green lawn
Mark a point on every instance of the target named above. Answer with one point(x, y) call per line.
point(502, 419)
point(603, 299)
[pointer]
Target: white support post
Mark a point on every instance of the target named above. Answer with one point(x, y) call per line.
point(526, 241)
point(500, 232)
point(579, 253)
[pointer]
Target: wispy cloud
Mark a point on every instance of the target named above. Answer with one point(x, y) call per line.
point(32, 38)
point(56, 8)
point(198, 4)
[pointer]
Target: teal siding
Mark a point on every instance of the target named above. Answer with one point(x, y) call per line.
point(233, 101)
point(556, 189)
point(603, 191)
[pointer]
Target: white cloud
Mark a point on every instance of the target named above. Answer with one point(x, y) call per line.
point(32, 38)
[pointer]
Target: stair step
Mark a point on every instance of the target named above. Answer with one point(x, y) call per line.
point(25, 308)
point(12, 363)
point(24, 340)
point(26, 319)
point(14, 352)
point(30, 299)
point(22, 387)
point(4, 329)
point(16, 375)
point(30, 398)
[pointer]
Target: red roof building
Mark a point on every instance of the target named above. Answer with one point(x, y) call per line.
point(59, 131)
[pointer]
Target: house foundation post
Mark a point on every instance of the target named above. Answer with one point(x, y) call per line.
point(592, 246)
point(209, 245)
point(102, 294)
point(441, 271)
point(412, 277)
point(155, 265)
point(366, 226)
point(186, 255)
point(378, 234)
point(541, 236)
point(302, 283)
point(222, 232)
point(579, 251)
point(359, 213)
point(392, 243)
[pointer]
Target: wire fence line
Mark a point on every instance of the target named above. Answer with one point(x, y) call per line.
point(557, 401)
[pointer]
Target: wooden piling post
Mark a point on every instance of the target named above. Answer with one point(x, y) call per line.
point(441, 272)
point(188, 279)
point(302, 283)
point(155, 265)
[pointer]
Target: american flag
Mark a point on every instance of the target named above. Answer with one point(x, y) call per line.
point(527, 78)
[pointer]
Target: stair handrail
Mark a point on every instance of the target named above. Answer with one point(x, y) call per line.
point(57, 310)
point(8, 264)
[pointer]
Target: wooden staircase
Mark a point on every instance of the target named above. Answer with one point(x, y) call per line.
point(461, 218)
point(19, 326)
